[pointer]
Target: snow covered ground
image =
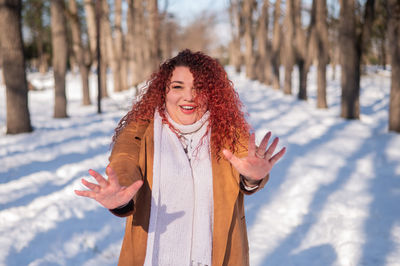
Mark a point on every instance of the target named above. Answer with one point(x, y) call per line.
point(334, 199)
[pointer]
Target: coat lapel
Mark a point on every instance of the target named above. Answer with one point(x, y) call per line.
point(226, 191)
point(146, 153)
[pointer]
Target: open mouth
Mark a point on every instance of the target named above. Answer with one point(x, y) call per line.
point(187, 109)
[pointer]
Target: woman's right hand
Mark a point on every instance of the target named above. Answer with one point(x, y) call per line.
point(109, 193)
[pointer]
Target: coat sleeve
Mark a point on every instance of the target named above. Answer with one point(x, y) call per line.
point(124, 160)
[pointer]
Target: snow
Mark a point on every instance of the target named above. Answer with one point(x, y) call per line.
point(332, 200)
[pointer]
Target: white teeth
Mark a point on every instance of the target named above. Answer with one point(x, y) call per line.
point(188, 107)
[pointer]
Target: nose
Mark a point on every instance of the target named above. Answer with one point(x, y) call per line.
point(189, 94)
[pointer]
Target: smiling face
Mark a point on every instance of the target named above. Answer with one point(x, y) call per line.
point(180, 97)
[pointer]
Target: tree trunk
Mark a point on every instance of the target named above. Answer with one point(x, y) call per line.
point(134, 43)
point(140, 41)
point(13, 63)
point(263, 68)
point(301, 47)
point(352, 46)
point(119, 46)
point(109, 50)
point(78, 50)
point(350, 69)
point(104, 62)
point(154, 33)
point(289, 55)
point(276, 46)
point(322, 51)
point(43, 64)
point(33, 20)
point(167, 35)
point(394, 50)
point(60, 55)
point(303, 73)
point(90, 15)
point(334, 50)
point(235, 55)
point(334, 55)
point(382, 57)
point(305, 47)
point(130, 42)
point(249, 56)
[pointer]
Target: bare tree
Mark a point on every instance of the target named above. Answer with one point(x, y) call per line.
point(276, 46)
point(103, 43)
point(249, 56)
point(154, 35)
point(110, 58)
point(289, 53)
point(79, 50)
point(60, 55)
point(139, 42)
point(90, 14)
point(197, 35)
point(352, 44)
point(130, 43)
point(167, 30)
point(263, 64)
point(379, 32)
point(303, 47)
point(348, 60)
point(168, 35)
point(13, 62)
point(322, 45)
point(236, 21)
point(393, 9)
point(33, 13)
point(333, 35)
point(121, 64)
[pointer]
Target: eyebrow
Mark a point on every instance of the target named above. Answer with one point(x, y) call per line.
point(177, 81)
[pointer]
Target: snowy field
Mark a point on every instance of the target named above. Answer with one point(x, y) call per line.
point(334, 199)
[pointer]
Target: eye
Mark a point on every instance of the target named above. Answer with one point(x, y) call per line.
point(177, 87)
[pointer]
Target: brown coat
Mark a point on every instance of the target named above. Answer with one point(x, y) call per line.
point(132, 159)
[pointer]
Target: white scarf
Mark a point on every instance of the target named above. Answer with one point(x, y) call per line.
point(181, 214)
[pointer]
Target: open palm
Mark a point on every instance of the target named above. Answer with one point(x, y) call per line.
point(109, 193)
point(259, 161)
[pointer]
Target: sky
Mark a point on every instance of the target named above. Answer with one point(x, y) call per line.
point(186, 10)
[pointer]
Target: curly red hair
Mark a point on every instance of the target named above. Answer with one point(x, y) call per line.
point(227, 121)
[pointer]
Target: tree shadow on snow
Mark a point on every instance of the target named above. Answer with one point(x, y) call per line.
point(72, 241)
point(384, 210)
point(282, 254)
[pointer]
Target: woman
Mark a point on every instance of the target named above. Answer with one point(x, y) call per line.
point(181, 162)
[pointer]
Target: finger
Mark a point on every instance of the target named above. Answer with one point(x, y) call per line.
point(99, 178)
point(228, 154)
point(277, 156)
point(235, 161)
point(112, 176)
point(90, 185)
point(85, 193)
point(252, 144)
point(272, 148)
point(133, 189)
point(264, 143)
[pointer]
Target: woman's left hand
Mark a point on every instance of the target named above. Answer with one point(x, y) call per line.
point(259, 161)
